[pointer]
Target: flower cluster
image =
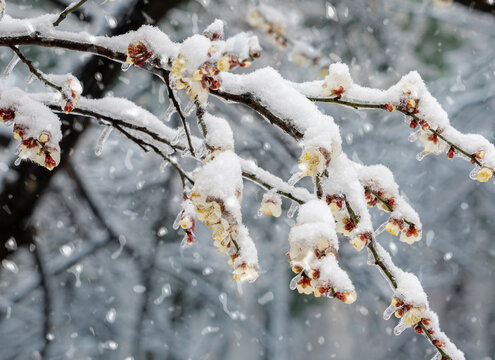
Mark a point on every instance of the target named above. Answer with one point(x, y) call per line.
point(138, 53)
point(216, 198)
point(39, 150)
point(186, 221)
point(276, 30)
point(71, 93)
point(271, 204)
point(320, 146)
point(409, 233)
point(202, 58)
point(313, 255)
point(337, 81)
point(432, 143)
point(410, 315)
point(314, 160)
point(345, 225)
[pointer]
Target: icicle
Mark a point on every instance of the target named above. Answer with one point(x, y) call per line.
point(186, 153)
point(371, 258)
point(189, 108)
point(184, 243)
point(293, 208)
point(389, 311)
point(420, 156)
point(413, 136)
point(105, 133)
point(380, 229)
point(180, 135)
point(437, 356)
point(202, 150)
point(401, 326)
point(125, 67)
point(473, 175)
point(31, 78)
point(176, 224)
point(170, 111)
point(164, 165)
point(10, 66)
point(294, 281)
point(295, 178)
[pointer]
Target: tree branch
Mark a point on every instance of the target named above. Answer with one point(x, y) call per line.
point(357, 105)
point(67, 11)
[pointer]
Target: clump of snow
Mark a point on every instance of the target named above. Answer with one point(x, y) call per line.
point(219, 135)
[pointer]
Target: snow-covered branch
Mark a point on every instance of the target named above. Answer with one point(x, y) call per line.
point(343, 189)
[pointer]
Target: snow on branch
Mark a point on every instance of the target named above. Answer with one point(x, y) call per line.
point(410, 97)
point(34, 124)
point(343, 189)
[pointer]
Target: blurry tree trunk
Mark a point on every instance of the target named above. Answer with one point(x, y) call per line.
point(20, 195)
point(481, 5)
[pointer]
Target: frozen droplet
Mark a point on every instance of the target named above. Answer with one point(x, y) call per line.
point(413, 136)
point(111, 315)
point(11, 244)
point(447, 256)
point(380, 229)
point(10, 266)
point(189, 108)
point(176, 223)
point(389, 311)
point(50, 337)
point(473, 175)
point(401, 326)
point(105, 133)
point(321, 340)
point(170, 112)
point(292, 210)
point(164, 165)
point(294, 281)
point(10, 66)
point(17, 161)
point(421, 155)
point(125, 66)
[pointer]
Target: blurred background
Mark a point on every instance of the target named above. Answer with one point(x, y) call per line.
point(90, 267)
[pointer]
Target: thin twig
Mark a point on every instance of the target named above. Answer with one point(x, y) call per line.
point(35, 71)
point(172, 98)
point(357, 105)
point(67, 11)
